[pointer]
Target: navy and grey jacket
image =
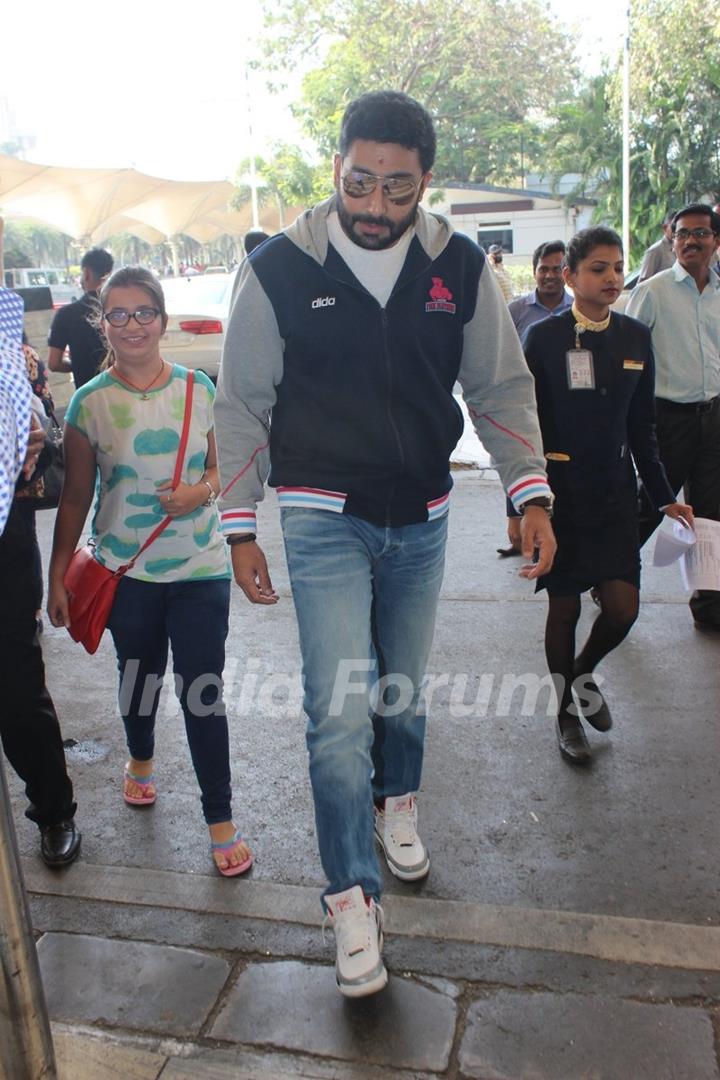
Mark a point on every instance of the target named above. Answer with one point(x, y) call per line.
point(349, 406)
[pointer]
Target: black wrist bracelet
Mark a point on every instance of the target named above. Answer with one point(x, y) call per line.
point(241, 538)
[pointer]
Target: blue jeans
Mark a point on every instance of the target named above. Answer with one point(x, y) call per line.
point(192, 616)
point(365, 598)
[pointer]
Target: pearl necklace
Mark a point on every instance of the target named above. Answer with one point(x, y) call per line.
point(582, 323)
point(142, 390)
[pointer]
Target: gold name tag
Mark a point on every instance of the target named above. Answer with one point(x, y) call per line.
point(633, 365)
point(557, 457)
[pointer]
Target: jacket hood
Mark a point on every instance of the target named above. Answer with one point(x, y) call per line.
point(309, 231)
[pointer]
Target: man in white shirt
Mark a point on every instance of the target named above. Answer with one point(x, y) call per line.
point(681, 306)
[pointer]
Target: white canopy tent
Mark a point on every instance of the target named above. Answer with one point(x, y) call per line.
point(93, 204)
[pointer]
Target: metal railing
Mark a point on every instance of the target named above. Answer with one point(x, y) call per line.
point(26, 1050)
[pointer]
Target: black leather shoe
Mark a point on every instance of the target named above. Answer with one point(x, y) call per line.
point(573, 744)
point(597, 715)
point(59, 844)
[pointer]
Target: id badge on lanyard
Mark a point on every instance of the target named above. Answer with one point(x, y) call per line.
point(580, 369)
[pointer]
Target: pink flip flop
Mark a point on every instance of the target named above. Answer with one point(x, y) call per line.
point(146, 785)
point(228, 846)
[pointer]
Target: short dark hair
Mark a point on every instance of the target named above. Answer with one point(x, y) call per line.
point(552, 247)
point(387, 116)
point(99, 261)
point(701, 209)
point(584, 241)
point(253, 239)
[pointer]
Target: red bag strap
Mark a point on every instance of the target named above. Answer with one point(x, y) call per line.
point(179, 462)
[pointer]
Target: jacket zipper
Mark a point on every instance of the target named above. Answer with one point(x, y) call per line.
point(391, 421)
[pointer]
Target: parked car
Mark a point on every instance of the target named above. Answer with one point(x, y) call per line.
point(59, 282)
point(198, 308)
point(215, 270)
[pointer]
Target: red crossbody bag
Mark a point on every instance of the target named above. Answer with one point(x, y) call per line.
point(91, 586)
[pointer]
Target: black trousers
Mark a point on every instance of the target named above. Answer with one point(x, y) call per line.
point(689, 442)
point(29, 726)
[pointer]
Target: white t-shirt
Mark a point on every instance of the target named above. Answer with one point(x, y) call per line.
point(135, 438)
point(377, 271)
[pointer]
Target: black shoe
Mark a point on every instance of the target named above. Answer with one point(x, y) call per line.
point(573, 744)
point(597, 715)
point(59, 844)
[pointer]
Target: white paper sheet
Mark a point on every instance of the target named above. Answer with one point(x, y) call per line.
point(700, 565)
point(672, 543)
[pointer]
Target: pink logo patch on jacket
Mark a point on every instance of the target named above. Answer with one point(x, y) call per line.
point(440, 297)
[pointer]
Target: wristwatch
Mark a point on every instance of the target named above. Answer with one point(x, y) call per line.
point(544, 501)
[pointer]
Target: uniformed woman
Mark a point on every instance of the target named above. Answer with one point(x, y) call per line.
point(594, 375)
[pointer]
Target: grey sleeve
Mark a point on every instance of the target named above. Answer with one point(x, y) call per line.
point(250, 370)
point(499, 392)
point(651, 264)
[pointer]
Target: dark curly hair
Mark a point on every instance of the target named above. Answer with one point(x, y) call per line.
point(387, 116)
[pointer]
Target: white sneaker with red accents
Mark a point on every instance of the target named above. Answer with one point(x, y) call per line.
point(396, 831)
point(357, 924)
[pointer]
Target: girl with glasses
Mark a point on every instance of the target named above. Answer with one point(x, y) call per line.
point(123, 431)
point(594, 381)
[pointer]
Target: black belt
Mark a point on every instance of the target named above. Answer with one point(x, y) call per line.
point(687, 406)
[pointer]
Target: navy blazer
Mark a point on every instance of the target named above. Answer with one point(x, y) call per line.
point(591, 436)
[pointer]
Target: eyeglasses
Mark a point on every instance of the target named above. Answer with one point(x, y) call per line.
point(120, 317)
point(698, 234)
point(398, 189)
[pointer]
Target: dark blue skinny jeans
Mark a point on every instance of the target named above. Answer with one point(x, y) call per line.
point(192, 617)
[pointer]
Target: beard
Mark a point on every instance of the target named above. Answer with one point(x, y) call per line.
point(395, 229)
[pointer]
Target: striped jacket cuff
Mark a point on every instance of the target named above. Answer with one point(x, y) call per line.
point(240, 520)
point(528, 487)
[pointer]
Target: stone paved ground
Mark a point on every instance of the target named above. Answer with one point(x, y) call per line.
point(569, 927)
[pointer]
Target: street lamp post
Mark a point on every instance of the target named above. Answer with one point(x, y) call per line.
point(26, 1048)
point(626, 142)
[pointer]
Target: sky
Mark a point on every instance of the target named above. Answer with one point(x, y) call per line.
point(161, 86)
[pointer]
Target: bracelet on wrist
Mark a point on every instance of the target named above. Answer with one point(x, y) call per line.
point(241, 538)
point(212, 494)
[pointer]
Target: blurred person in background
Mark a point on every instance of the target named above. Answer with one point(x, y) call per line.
point(495, 257)
point(29, 726)
point(660, 255)
point(549, 297)
point(75, 326)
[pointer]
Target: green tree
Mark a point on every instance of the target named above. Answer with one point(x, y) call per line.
point(41, 245)
point(486, 70)
point(674, 128)
point(286, 179)
point(675, 104)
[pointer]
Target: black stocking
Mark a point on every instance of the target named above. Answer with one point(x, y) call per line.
point(619, 602)
point(563, 614)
